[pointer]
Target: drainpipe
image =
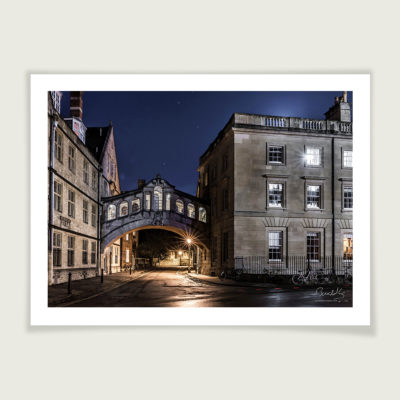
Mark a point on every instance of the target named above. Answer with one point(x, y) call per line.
point(99, 212)
point(53, 124)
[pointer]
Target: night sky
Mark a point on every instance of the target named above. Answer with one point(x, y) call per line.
point(167, 132)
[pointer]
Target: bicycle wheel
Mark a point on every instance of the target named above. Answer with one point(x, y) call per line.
point(297, 279)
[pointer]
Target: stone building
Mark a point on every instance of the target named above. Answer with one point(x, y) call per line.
point(279, 187)
point(82, 169)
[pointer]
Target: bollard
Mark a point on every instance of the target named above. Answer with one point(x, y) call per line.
point(102, 276)
point(69, 282)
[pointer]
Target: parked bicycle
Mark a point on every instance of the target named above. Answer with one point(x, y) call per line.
point(309, 277)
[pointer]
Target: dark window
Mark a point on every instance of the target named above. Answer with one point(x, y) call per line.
point(275, 245)
point(93, 253)
point(347, 197)
point(276, 154)
point(71, 251)
point(57, 196)
point(56, 249)
point(86, 172)
point(71, 203)
point(58, 147)
point(85, 211)
point(93, 215)
point(313, 246)
point(225, 199)
point(224, 162)
point(225, 247)
point(71, 158)
point(84, 251)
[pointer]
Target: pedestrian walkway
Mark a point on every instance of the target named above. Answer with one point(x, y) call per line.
point(228, 282)
point(85, 288)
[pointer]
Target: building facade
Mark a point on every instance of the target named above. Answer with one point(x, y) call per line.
point(279, 187)
point(82, 169)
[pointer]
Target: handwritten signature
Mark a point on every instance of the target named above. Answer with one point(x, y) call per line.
point(335, 294)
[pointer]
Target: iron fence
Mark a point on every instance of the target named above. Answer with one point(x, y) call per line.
point(261, 265)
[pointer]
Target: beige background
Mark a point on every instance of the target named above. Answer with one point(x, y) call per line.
point(205, 362)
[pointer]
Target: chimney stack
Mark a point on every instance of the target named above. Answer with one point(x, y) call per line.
point(75, 105)
point(141, 183)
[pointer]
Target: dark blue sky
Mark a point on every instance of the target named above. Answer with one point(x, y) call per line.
point(167, 132)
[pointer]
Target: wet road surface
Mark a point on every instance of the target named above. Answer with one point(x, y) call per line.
point(169, 288)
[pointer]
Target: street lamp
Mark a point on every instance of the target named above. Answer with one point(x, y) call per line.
point(189, 242)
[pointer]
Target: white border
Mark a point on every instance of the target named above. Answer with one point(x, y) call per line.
point(359, 314)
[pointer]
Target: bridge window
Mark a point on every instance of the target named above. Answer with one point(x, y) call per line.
point(112, 211)
point(158, 198)
point(147, 199)
point(179, 206)
point(202, 214)
point(123, 209)
point(191, 212)
point(168, 201)
point(135, 205)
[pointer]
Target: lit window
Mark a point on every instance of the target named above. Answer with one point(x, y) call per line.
point(71, 158)
point(85, 172)
point(127, 237)
point(85, 251)
point(147, 199)
point(313, 246)
point(348, 197)
point(275, 246)
point(93, 215)
point(348, 246)
point(57, 249)
point(58, 196)
point(275, 195)
point(71, 203)
point(313, 157)
point(191, 211)
point(123, 209)
point(93, 253)
point(158, 198)
point(179, 206)
point(85, 211)
point(135, 205)
point(168, 201)
point(202, 214)
point(313, 196)
point(112, 212)
point(276, 154)
point(348, 158)
point(116, 255)
point(58, 147)
point(71, 251)
point(127, 256)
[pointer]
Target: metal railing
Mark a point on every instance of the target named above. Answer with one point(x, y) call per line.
point(259, 265)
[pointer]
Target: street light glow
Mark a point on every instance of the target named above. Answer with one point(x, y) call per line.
point(189, 241)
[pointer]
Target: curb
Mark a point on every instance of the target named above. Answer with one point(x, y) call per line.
point(66, 304)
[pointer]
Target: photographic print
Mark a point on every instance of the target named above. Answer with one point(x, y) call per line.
point(208, 199)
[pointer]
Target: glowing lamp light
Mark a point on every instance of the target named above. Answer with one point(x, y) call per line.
point(189, 241)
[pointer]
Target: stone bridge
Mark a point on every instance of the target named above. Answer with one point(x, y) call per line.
point(156, 205)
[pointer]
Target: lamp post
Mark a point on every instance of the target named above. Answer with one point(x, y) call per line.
point(180, 257)
point(189, 242)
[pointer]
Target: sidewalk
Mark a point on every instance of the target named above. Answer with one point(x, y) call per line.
point(85, 288)
point(215, 280)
